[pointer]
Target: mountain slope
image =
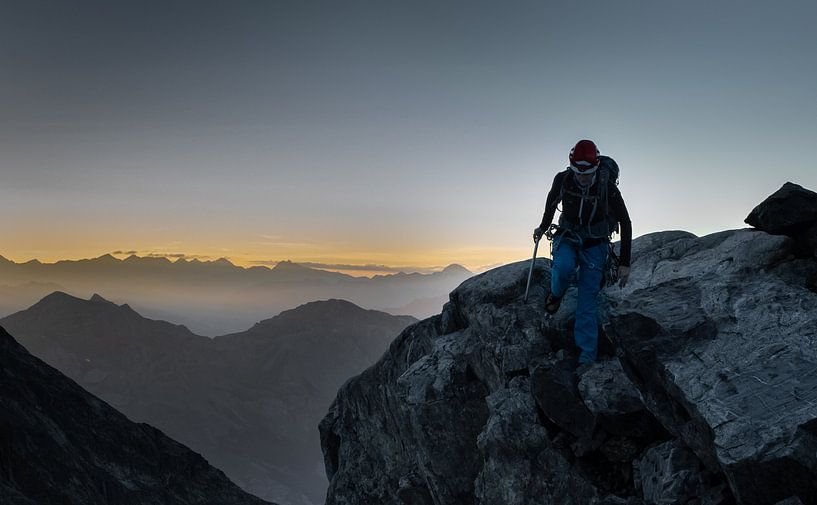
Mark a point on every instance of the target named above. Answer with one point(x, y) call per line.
point(250, 402)
point(61, 445)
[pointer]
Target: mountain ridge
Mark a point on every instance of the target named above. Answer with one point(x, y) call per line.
point(283, 265)
point(248, 401)
point(60, 444)
point(215, 299)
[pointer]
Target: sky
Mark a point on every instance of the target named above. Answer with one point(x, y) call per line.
point(402, 134)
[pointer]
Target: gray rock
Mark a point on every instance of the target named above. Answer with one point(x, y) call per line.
point(556, 394)
point(792, 211)
point(789, 210)
point(517, 453)
point(454, 412)
point(724, 352)
point(713, 391)
point(793, 500)
point(607, 392)
point(670, 474)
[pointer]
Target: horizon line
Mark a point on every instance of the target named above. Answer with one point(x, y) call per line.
point(350, 269)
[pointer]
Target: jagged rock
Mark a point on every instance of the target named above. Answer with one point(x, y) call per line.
point(367, 440)
point(670, 474)
point(450, 414)
point(792, 211)
point(723, 348)
point(607, 392)
point(517, 453)
point(554, 388)
point(788, 211)
point(439, 393)
point(716, 337)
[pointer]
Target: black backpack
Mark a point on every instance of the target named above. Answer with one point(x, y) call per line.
point(608, 171)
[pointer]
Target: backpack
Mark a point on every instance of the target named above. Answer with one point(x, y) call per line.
point(608, 171)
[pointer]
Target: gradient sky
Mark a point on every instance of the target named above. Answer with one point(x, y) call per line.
point(390, 132)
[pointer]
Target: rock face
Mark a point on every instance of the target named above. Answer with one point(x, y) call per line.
point(706, 392)
point(61, 445)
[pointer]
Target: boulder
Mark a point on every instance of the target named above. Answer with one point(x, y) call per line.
point(671, 474)
point(788, 211)
point(792, 211)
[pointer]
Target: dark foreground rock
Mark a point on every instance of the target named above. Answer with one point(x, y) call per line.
point(61, 445)
point(710, 398)
point(792, 211)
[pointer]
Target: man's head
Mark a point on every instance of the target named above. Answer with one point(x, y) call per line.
point(584, 161)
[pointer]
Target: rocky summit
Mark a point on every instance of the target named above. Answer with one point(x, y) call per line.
point(705, 392)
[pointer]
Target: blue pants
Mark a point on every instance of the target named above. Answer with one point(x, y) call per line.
point(567, 257)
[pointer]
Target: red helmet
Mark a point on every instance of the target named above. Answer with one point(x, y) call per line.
point(584, 156)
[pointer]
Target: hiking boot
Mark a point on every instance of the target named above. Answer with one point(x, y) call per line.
point(582, 368)
point(552, 304)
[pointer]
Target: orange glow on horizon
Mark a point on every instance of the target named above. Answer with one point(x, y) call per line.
point(366, 265)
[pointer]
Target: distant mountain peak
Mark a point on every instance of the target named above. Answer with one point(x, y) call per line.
point(148, 259)
point(456, 268)
point(288, 265)
point(224, 262)
point(58, 296)
point(107, 258)
point(55, 306)
point(332, 302)
point(98, 299)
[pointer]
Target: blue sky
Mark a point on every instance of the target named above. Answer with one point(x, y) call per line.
point(397, 133)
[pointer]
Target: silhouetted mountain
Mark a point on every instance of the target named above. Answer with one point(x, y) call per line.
point(14, 297)
point(61, 445)
point(91, 340)
point(455, 269)
point(216, 297)
point(249, 402)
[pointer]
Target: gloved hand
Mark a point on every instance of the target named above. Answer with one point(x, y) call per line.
point(623, 275)
point(537, 234)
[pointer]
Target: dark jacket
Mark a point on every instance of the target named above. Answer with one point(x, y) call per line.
point(566, 190)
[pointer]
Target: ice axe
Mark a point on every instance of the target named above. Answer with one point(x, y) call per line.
point(532, 262)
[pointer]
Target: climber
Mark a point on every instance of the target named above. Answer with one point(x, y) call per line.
point(592, 209)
